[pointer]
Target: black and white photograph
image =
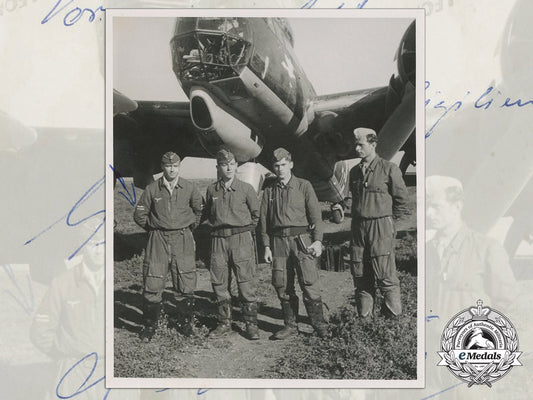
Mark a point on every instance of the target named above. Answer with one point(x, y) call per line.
point(265, 197)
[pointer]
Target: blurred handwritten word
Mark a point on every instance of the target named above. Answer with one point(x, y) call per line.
point(86, 385)
point(442, 391)
point(12, 5)
point(430, 318)
point(90, 381)
point(490, 98)
point(199, 392)
point(26, 302)
point(312, 3)
point(131, 197)
point(486, 100)
point(70, 218)
point(71, 15)
point(435, 6)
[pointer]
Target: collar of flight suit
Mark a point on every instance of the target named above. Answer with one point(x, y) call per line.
point(221, 186)
point(162, 181)
point(290, 184)
point(371, 166)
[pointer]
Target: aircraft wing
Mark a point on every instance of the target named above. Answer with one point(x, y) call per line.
point(389, 110)
point(252, 102)
point(142, 135)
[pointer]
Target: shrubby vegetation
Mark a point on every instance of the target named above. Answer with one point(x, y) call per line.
point(375, 348)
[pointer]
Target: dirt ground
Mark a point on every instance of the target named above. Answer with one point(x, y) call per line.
point(170, 354)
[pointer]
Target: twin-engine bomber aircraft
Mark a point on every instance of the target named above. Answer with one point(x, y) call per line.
point(249, 94)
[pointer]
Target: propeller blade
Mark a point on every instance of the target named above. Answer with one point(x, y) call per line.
point(122, 103)
point(399, 126)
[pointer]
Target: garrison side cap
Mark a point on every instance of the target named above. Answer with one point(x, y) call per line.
point(224, 156)
point(280, 153)
point(170, 158)
point(363, 132)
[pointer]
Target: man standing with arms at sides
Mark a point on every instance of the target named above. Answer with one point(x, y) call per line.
point(168, 209)
point(232, 208)
point(291, 231)
point(378, 195)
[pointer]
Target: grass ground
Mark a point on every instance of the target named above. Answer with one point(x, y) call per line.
point(376, 349)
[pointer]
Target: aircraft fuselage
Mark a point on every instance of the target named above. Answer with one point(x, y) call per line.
point(245, 84)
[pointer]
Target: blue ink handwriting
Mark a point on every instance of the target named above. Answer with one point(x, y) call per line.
point(85, 385)
point(442, 391)
point(430, 318)
point(73, 15)
point(483, 102)
point(71, 221)
point(27, 304)
point(69, 217)
point(311, 4)
point(86, 196)
point(199, 392)
point(131, 197)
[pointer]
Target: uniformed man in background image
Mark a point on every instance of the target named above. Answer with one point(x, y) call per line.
point(232, 209)
point(467, 265)
point(378, 194)
point(169, 209)
point(69, 323)
point(291, 231)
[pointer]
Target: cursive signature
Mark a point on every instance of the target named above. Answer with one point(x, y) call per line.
point(85, 385)
point(491, 98)
point(71, 219)
point(312, 3)
point(91, 381)
point(71, 15)
point(131, 197)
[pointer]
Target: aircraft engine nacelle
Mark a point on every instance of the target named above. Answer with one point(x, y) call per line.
point(400, 103)
point(220, 129)
point(406, 56)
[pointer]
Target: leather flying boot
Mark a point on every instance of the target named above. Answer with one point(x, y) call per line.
point(290, 314)
point(249, 311)
point(151, 313)
point(187, 324)
point(316, 315)
point(224, 319)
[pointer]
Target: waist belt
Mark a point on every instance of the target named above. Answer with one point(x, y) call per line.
point(171, 231)
point(290, 231)
point(369, 218)
point(231, 230)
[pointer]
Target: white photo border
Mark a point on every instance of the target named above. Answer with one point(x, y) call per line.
point(115, 382)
